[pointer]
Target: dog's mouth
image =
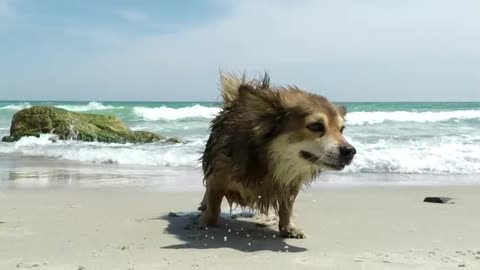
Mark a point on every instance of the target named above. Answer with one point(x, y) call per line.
point(317, 161)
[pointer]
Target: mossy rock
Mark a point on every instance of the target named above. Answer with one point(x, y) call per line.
point(75, 126)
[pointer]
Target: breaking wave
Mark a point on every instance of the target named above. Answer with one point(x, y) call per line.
point(438, 155)
point(169, 114)
point(16, 107)
point(157, 154)
point(441, 155)
point(371, 118)
point(91, 106)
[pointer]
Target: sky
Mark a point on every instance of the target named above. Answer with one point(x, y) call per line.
point(139, 50)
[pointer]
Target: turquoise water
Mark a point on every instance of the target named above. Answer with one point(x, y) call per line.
point(412, 138)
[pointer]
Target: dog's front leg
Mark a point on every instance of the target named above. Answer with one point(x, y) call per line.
point(286, 225)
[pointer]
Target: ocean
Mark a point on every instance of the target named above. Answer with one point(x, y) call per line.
point(409, 139)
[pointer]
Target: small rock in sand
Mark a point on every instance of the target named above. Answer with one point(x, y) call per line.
point(461, 265)
point(442, 200)
point(26, 265)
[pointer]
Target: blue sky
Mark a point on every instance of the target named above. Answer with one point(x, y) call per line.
point(347, 50)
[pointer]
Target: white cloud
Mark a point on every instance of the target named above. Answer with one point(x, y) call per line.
point(133, 15)
point(361, 50)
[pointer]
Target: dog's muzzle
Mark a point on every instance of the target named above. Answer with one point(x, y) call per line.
point(344, 158)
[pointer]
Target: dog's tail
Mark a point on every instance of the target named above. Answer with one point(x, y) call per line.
point(231, 82)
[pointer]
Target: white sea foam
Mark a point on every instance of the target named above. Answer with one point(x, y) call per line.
point(16, 107)
point(362, 118)
point(133, 154)
point(91, 106)
point(442, 155)
point(353, 118)
point(166, 113)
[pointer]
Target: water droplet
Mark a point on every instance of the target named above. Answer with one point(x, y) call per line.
point(213, 237)
point(259, 196)
point(286, 247)
point(225, 238)
point(274, 236)
point(229, 230)
point(249, 243)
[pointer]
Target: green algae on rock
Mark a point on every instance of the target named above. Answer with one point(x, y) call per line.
point(69, 125)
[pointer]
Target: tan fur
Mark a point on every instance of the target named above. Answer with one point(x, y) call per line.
point(266, 143)
point(229, 85)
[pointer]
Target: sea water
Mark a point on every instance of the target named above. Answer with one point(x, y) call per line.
point(391, 138)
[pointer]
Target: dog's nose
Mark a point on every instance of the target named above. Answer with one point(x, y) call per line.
point(348, 151)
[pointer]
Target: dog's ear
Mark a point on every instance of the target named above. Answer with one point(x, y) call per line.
point(342, 110)
point(260, 110)
point(256, 101)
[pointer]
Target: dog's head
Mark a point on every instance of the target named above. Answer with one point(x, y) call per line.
point(299, 129)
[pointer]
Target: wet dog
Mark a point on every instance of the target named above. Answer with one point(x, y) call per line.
point(265, 144)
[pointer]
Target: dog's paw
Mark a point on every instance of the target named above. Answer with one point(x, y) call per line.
point(195, 225)
point(293, 232)
point(202, 207)
point(204, 221)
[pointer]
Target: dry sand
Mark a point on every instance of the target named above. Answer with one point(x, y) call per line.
point(348, 228)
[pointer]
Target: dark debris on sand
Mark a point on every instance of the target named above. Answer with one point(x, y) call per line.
point(442, 200)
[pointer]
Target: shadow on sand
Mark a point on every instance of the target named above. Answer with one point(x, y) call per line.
point(242, 234)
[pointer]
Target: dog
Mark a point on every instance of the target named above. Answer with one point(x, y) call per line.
point(265, 144)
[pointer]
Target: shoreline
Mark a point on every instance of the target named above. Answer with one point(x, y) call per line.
point(23, 172)
point(347, 228)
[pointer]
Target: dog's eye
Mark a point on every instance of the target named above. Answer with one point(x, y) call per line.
point(341, 129)
point(316, 127)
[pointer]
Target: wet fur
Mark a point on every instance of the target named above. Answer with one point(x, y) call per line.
point(251, 156)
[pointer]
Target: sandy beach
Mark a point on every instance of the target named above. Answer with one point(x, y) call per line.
point(130, 228)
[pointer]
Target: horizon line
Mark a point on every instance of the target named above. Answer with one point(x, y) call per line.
point(211, 101)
